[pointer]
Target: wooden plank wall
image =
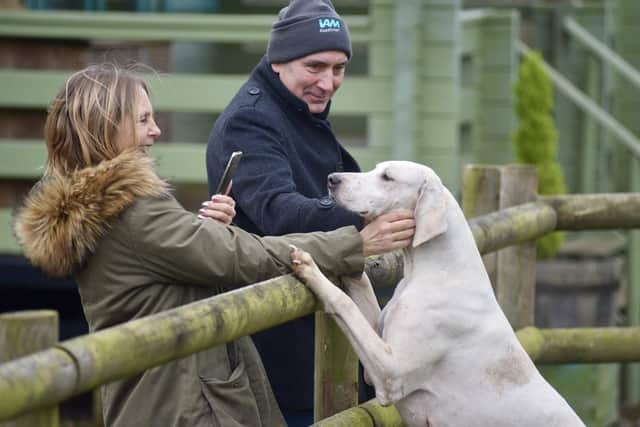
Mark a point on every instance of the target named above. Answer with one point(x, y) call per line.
point(499, 73)
point(489, 66)
point(454, 119)
point(438, 90)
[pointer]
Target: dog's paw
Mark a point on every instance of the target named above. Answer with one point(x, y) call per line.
point(308, 272)
point(302, 264)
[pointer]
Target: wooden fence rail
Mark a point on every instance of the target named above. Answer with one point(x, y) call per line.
point(81, 364)
point(368, 414)
point(581, 345)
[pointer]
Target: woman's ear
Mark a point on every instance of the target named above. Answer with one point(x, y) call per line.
point(430, 212)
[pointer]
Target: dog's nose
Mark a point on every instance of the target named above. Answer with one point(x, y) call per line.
point(333, 180)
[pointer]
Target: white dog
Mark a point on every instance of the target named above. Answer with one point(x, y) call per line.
point(441, 350)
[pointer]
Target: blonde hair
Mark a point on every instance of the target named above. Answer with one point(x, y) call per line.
point(84, 120)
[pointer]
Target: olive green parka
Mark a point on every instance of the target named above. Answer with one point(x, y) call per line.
point(134, 252)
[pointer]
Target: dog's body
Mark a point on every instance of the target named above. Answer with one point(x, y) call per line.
point(441, 350)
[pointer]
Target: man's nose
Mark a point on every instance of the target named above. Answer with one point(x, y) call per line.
point(325, 82)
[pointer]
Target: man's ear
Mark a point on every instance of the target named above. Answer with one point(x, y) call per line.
point(430, 212)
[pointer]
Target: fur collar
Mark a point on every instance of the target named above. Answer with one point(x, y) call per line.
point(64, 216)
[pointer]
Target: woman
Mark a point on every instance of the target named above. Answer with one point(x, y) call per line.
point(101, 213)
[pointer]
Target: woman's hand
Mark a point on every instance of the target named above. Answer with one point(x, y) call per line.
point(220, 207)
point(388, 232)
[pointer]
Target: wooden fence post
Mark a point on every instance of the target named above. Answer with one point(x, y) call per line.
point(632, 385)
point(516, 268)
point(336, 370)
point(22, 333)
point(481, 195)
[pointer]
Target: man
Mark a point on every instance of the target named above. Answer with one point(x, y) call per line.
point(278, 119)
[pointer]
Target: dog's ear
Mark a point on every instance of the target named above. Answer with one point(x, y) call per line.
point(430, 212)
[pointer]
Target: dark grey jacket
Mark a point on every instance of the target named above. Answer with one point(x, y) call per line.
point(281, 187)
point(281, 183)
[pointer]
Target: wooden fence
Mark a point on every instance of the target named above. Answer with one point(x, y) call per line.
point(596, 107)
point(71, 367)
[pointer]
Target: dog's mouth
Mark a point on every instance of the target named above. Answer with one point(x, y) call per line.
point(344, 201)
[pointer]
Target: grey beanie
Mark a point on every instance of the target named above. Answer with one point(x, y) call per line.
point(305, 27)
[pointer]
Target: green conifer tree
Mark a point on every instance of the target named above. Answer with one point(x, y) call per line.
point(536, 137)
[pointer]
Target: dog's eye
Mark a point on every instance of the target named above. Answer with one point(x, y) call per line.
point(386, 177)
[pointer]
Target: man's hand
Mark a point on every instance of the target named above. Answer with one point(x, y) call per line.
point(388, 232)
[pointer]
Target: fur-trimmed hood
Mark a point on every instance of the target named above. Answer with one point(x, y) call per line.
point(64, 216)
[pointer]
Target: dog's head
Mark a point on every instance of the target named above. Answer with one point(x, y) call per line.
point(395, 185)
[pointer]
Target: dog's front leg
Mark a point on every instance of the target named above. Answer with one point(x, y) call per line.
point(376, 355)
point(361, 292)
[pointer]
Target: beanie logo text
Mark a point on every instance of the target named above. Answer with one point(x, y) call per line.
point(328, 25)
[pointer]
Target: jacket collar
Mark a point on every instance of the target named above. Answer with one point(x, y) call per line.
point(64, 216)
point(265, 73)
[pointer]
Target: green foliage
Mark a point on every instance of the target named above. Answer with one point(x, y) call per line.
point(536, 138)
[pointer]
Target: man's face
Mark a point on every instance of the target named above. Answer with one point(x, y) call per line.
point(314, 78)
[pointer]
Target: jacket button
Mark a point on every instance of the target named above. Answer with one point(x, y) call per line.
point(326, 202)
point(253, 90)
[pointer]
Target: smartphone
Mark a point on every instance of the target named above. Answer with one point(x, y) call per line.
point(229, 170)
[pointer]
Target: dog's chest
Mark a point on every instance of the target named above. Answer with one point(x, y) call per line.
point(383, 316)
point(394, 307)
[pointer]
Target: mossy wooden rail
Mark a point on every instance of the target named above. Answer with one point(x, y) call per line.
point(81, 364)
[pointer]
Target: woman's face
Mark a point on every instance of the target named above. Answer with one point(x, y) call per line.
point(145, 129)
